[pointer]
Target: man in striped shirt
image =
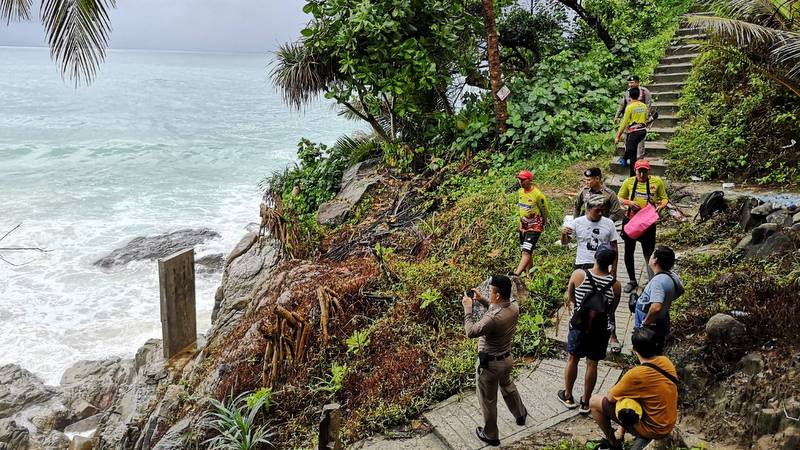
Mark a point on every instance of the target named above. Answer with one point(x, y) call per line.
point(590, 344)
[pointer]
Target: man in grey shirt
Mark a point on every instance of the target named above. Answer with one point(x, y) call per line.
point(593, 185)
point(495, 332)
point(646, 98)
point(652, 307)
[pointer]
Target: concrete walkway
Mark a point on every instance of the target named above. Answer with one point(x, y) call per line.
point(455, 419)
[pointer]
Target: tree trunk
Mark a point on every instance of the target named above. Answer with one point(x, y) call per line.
point(592, 21)
point(495, 72)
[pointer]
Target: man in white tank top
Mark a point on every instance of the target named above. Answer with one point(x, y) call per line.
point(588, 344)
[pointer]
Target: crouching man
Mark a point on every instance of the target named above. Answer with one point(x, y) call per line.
point(645, 401)
point(495, 332)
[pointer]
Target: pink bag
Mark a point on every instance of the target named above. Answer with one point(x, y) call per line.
point(643, 220)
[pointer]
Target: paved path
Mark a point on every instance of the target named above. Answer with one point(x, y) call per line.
point(454, 420)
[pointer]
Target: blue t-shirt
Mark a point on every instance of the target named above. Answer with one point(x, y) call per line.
point(660, 289)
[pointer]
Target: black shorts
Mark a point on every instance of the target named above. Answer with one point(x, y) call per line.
point(528, 240)
point(585, 345)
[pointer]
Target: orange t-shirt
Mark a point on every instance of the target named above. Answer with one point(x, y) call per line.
point(657, 395)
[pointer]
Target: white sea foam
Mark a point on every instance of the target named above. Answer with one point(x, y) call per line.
point(162, 141)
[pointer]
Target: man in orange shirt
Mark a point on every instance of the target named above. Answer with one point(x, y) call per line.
point(653, 384)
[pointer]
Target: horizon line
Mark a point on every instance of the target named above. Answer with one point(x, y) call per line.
point(165, 50)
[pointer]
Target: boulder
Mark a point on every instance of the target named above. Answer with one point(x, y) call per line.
point(767, 421)
point(780, 217)
point(789, 439)
point(13, 436)
point(764, 209)
point(210, 263)
point(84, 426)
point(245, 272)
point(55, 440)
point(762, 232)
point(175, 437)
point(776, 244)
point(153, 247)
point(745, 242)
point(19, 389)
point(95, 382)
point(149, 353)
point(356, 181)
point(724, 329)
point(752, 363)
point(796, 218)
point(81, 443)
point(746, 219)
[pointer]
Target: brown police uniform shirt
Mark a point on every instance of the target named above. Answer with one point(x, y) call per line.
point(495, 329)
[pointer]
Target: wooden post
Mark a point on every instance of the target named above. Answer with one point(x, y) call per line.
point(178, 315)
point(329, 426)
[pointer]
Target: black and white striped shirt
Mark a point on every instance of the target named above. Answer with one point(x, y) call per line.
point(586, 287)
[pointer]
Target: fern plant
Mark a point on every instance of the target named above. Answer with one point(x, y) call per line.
point(235, 422)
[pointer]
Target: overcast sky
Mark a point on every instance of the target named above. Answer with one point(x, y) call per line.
point(212, 25)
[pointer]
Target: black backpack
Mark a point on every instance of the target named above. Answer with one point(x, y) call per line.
point(712, 204)
point(592, 316)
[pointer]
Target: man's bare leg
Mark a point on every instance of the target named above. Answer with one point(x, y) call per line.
point(524, 263)
point(596, 406)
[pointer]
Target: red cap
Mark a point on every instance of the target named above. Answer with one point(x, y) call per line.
point(642, 164)
point(525, 175)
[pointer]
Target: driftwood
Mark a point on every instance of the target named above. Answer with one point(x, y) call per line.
point(17, 249)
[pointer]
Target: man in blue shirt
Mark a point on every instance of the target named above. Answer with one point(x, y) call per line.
point(652, 307)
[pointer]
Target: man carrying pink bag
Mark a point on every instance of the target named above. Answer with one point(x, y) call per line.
point(644, 195)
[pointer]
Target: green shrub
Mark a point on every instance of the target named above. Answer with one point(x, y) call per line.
point(236, 422)
point(333, 382)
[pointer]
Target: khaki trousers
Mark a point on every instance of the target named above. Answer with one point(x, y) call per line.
point(488, 380)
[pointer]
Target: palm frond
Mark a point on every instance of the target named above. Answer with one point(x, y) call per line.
point(788, 54)
point(358, 147)
point(739, 32)
point(300, 75)
point(780, 14)
point(15, 10)
point(77, 33)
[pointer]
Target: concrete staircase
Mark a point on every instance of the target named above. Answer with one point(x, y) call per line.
point(668, 81)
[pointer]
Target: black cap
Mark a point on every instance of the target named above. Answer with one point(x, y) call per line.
point(633, 78)
point(592, 172)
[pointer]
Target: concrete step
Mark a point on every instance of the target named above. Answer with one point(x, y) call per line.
point(652, 149)
point(673, 68)
point(666, 121)
point(670, 77)
point(687, 31)
point(667, 108)
point(658, 166)
point(657, 88)
point(679, 59)
point(690, 38)
point(664, 133)
point(667, 96)
point(682, 49)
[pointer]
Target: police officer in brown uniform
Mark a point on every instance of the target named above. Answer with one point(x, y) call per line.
point(495, 331)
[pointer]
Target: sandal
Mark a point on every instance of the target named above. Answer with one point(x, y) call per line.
point(616, 348)
point(569, 402)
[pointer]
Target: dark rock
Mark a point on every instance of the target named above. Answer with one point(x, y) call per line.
point(13, 436)
point(175, 437)
point(767, 421)
point(780, 217)
point(153, 247)
point(96, 382)
point(752, 363)
point(762, 232)
point(219, 295)
point(724, 329)
point(789, 439)
point(19, 389)
point(210, 263)
point(82, 409)
point(746, 219)
point(147, 355)
point(776, 244)
point(796, 218)
point(746, 241)
point(764, 209)
point(355, 183)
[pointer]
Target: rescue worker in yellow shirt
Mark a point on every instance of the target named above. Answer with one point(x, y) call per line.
point(634, 124)
point(532, 219)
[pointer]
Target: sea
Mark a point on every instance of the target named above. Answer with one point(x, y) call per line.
point(160, 141)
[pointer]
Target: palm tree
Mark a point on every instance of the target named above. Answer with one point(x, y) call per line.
point(77, 32)
point(495, 71)
point(766, 32)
